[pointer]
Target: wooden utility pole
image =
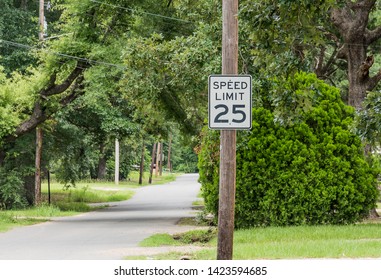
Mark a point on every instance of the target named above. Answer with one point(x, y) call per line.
point(41, 21)
point(116, 162)
point(37, 177)
point(228, 137)
point(39, 135)
point(161, 162)
point(152, 163)
point(158, 153)
point(141, 167)
point(169, 165)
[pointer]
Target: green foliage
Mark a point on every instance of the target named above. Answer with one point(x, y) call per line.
point(170, 76)
point(17, 26)
point(183, 155)
point(12, 193)
point(289, 29)
point(208, 164)
point(312, 171)
point(368, 121)
point(72, 153)
point(16, 99)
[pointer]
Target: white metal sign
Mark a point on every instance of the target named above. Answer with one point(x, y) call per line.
point(230, 102)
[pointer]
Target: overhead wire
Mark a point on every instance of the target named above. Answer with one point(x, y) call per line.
point(90, 61)
point(86, 60)
point(142, 12)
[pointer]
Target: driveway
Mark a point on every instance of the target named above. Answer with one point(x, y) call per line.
point(107, 234)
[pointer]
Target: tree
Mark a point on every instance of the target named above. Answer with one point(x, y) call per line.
point(353, 22)
point(358, 33)
point(334, 39)
point(88, 30)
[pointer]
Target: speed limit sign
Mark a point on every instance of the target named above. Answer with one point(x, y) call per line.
point(230, 102)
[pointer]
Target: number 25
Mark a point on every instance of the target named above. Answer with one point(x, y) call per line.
point(236, 110)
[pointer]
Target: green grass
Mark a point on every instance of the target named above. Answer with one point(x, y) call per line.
point(87, 195)
point(9, 221)
point(131, 182)
point(309, 242)
point(352, 241)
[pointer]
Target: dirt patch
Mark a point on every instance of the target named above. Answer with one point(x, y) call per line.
point(199, 236)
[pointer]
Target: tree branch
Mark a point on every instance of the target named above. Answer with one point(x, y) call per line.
point(54, 89)
point(342, 52)
point(34, 120)
point(363, 71)
point(319, 69)
point(373, 81)
point(40, 114)
point(77, 90)
point(361, 4)
point(341, 18)
point(372, 35)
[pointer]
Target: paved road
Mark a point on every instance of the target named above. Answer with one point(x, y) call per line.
point(108, 233)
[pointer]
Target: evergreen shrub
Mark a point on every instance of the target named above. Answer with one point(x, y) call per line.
point(311, 171)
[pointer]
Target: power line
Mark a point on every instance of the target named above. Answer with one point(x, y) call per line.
point(137, 11)
point(90, 61)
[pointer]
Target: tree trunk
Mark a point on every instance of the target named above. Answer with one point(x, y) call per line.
point(24, 4)
point(2, 156)
point(29, 186)
point(352, 22)
point(152, 163)
point(356, 78)
point(102, 162)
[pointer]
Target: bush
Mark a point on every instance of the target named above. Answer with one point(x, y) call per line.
point(12, 192)
point(208, 164)
point(311, 171)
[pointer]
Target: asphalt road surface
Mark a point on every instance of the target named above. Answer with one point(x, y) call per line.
point(105, 234)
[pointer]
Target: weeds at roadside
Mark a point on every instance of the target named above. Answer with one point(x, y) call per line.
point(194, 237)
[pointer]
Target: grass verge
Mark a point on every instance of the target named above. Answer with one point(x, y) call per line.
point(351, 241)
point(9, 221)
